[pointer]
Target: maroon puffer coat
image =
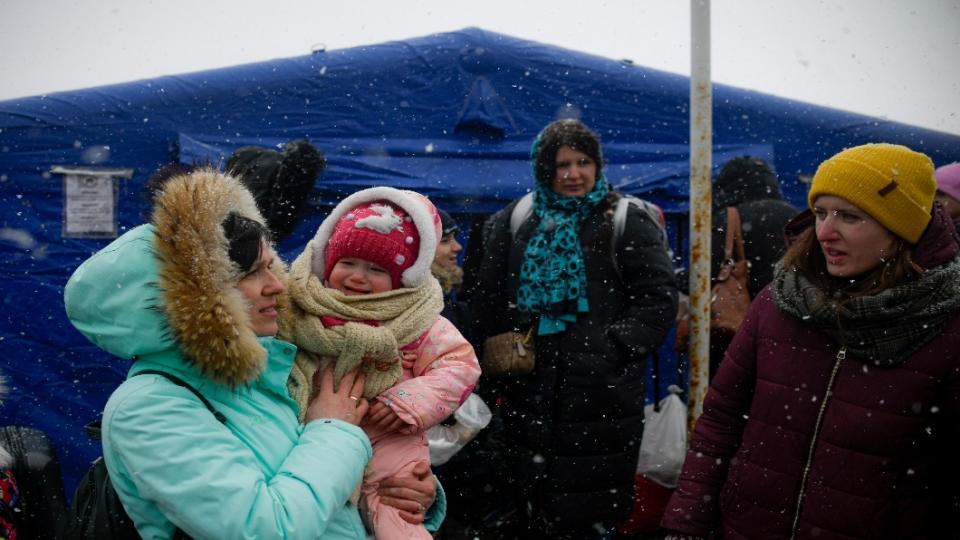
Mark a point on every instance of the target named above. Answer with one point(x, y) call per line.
point(879, 448)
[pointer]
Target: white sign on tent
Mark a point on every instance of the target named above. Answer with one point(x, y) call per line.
point(90, 200)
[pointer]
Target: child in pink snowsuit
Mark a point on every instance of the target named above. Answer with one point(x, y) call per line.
point(362, 294)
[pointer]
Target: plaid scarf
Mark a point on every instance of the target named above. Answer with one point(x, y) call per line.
point(884, 329)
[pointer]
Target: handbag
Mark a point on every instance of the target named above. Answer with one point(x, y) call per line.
point(509, 353)
point(729, 297)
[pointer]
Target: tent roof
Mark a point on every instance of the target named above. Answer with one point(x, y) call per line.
point(449, 114)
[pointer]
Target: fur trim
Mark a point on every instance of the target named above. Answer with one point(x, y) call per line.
point(207, 313)
point(414, 204)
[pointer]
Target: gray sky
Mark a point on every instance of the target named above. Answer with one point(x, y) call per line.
point(895, 59)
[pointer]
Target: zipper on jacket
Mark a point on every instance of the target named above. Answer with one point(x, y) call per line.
point(841, 355)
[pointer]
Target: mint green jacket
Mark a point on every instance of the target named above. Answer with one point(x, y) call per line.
point(261, 474)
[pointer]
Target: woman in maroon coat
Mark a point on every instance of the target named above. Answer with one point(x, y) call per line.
point(836, 411)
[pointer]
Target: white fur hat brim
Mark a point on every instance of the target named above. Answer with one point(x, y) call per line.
point(417, 206)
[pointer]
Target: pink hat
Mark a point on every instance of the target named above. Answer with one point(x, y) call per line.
point(948, 180)
point(395, 229)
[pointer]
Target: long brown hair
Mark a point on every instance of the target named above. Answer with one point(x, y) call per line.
point(805, 256)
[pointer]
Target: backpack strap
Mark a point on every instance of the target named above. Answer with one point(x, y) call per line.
point(94, 429)
point(620, 223)
point(651, 210)
point(520, 213)
point(620, 217)
point(180, 382)
point(524, 209)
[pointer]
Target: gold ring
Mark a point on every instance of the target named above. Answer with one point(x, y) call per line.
point(421, 510)
point(355, 398)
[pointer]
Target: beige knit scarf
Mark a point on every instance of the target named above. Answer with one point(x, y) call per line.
point(404, 315)
point(449, 278)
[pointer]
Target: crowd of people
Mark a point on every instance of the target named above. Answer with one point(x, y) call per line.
point(268, 401)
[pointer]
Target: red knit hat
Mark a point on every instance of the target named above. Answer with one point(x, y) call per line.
point(395, 229)
point(378, 232)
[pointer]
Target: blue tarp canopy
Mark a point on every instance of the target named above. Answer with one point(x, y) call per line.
point(450, 115)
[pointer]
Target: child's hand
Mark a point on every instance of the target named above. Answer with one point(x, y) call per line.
point(407, 359)
point(383, 418)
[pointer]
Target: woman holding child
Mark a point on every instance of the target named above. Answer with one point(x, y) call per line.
point(194, 294)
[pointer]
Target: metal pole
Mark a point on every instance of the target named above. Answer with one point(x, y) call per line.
point(701, 140)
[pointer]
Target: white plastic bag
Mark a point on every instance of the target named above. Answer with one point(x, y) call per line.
point(664, 443)
point(445, 441)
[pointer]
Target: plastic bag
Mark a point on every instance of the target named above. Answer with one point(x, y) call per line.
point(445, 441)
point(664, 443)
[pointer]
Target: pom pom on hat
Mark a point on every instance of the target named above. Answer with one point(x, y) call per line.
point(892, 183)
point(392, 228)
point(281, 182)
point(948, 179)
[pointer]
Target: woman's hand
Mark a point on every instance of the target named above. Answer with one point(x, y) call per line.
point(410, 495)
point(382, 419)
point(345, 404)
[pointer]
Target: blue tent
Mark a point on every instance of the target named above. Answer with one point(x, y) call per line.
point(450, 115)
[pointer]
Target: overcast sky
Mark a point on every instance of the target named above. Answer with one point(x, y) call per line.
point(895, 59)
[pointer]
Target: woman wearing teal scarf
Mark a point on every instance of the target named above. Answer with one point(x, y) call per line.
point(552, 279)
point(575, 422)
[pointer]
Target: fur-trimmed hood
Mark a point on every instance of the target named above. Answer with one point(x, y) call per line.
point(170, 285)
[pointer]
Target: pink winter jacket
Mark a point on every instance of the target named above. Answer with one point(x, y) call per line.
point(443, 374)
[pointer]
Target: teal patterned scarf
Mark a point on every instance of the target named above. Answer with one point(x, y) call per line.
point(553, 282)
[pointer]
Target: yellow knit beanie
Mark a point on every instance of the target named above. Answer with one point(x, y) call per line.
point(892, 183)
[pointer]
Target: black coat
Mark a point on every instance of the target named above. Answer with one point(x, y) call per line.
point(458, 313)
point(575, 422)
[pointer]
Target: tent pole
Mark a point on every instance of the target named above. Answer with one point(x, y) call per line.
point(701, 139)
